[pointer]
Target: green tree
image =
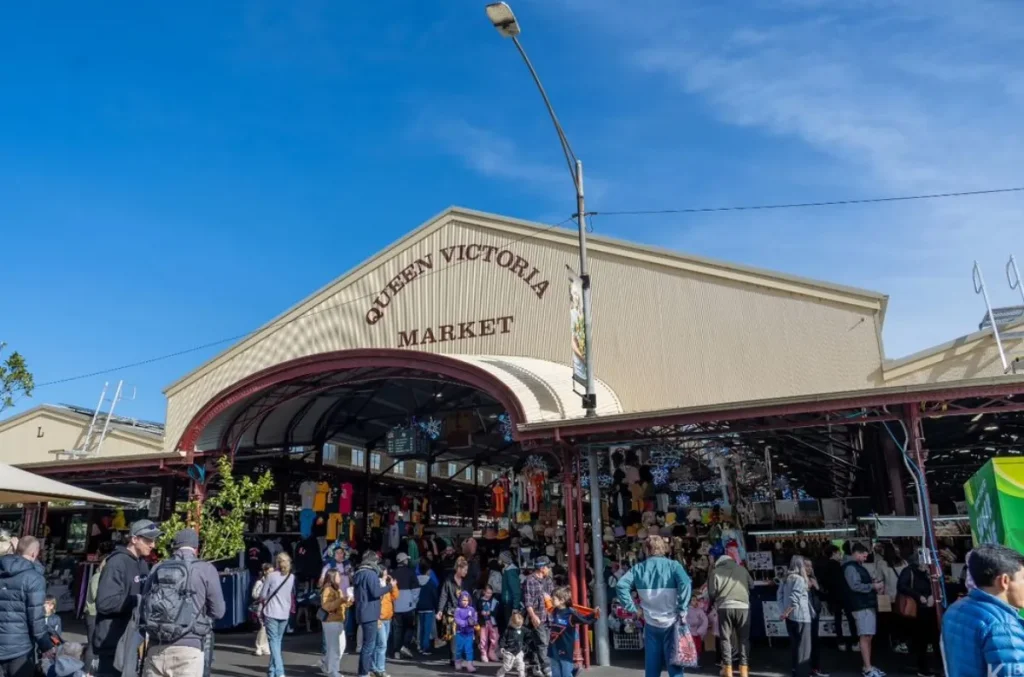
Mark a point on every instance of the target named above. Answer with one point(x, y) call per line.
point(15, 380)
point(222, 518)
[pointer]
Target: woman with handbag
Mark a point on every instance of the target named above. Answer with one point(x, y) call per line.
point(334, 604)
point(916, 603)
point(276, 608)
point(794, 599)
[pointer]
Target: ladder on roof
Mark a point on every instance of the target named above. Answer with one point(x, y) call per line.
point(91, 445)
point(1007, 315)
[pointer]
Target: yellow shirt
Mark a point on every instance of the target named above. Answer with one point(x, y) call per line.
point(320, 500)
point(333, 526)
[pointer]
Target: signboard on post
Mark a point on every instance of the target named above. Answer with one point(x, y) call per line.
point(578, 330)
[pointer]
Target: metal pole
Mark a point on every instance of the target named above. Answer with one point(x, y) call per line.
point(570, 538)
point(597, 549)
point(914, 430)
point(581, 539)
point(576, 170)
point(590, 400)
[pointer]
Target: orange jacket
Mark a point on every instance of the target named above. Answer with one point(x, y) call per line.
point(387, 603)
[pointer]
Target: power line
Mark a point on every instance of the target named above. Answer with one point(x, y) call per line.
point(799, 205)
point(275, 326)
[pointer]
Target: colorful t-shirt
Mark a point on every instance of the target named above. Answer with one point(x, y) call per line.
point(345, 499)
point(320, 500)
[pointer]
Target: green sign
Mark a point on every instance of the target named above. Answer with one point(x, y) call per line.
point(995, 503)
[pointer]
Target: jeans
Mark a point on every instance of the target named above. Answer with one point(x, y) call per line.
point(380, 654)
point(334, 641)
point(800, 647)
point(366, 652)
point(425, 630)
point(658, 648)
point(561, 667)
point(734, 623)
point(275, 633)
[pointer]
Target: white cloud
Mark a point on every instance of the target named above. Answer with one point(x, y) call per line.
point(895, 97)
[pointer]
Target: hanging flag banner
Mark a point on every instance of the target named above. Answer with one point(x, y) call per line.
point(578, 329)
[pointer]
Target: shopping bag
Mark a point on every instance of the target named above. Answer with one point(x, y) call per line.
point(685, 649)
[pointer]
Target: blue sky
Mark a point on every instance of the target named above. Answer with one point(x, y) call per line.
point(171, 175)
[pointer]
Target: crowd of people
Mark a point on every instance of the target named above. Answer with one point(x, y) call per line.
point(159, 623)
point(496, 616)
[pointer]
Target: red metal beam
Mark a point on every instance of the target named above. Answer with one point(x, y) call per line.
point(585, 429)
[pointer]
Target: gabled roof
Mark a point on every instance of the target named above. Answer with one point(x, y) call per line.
point(146, 433)
point(958, 347)
point(821, 291)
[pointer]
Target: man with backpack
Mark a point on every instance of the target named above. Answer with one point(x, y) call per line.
point(180, 603)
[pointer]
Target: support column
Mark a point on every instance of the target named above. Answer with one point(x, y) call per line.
point(570, 536)
point(366, 499)
point(430, 496)
point(915, 448)
point(893, 464)
point(597, 550)
point(581, 556)
point(476, 496)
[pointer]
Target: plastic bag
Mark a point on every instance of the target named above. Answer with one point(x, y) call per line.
point(685, 649)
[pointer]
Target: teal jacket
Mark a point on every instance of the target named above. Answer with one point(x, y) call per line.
point(664, 589)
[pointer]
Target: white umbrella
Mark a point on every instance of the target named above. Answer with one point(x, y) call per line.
point(21, 486)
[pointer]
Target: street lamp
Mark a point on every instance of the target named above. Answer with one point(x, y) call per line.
point(504, 21)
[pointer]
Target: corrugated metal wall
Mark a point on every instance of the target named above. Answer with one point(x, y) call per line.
point(663, 337)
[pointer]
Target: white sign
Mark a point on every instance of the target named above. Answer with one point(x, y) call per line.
point(760, 561)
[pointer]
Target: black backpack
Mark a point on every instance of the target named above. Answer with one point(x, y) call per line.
point(171, 609)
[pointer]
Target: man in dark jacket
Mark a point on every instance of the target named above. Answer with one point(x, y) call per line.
point(451, 591)
point(22, 620)
point(829, 572)
point(119, 591)
point(368, 589)
point(205, 605)
point(405, 607)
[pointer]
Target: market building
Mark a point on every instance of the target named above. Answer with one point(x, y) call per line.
point(435, 379)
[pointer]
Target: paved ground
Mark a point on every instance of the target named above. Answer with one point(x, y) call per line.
point(234, 657)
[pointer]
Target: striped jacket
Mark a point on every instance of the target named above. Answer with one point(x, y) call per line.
point(664, 589)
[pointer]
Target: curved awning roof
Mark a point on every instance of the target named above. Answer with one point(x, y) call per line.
point(543, 388)
point(360, 394)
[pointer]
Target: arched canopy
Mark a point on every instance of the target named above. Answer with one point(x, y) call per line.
point(360, 394)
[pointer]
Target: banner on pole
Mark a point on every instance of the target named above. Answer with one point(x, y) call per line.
point(578, 329)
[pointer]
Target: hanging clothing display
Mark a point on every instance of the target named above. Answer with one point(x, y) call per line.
point(306, 520)
point(333, 526)
point(320, 498)
point(345, 499)
point(307, 492)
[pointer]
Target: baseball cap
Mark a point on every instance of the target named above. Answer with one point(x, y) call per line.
point(402, 558)
point(145, 529)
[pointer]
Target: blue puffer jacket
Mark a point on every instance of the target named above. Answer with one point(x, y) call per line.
point(22, 619)
point(982, 636)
